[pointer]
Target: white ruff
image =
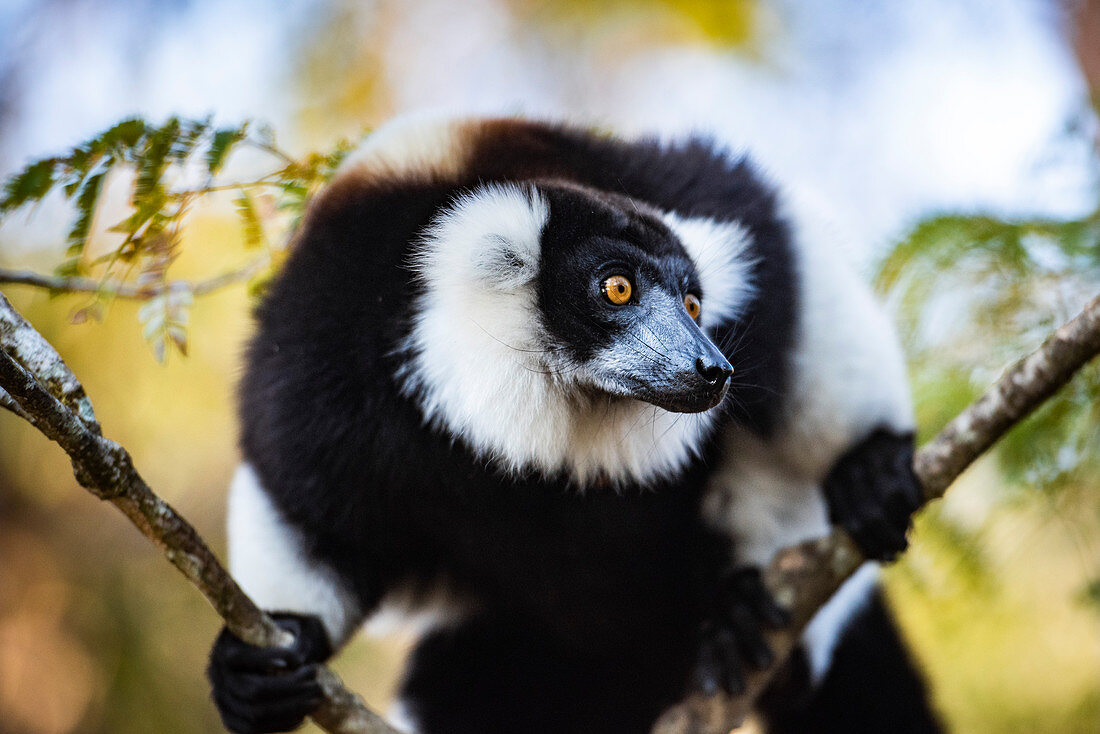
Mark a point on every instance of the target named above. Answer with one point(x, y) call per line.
point(480, 365)
point(718, 251)
point(848, 372)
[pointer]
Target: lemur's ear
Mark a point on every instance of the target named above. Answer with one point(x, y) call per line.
point(506, 263)
point(493, 234)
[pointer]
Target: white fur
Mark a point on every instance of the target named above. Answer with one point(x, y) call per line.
point(822, 634)
point(481, 367)
point(718, 251)
point(847, 378)
point(763, 501)
point(266, 557)
point(411, 145)
point(848, 372)
point(400, 717)
point(412, 612)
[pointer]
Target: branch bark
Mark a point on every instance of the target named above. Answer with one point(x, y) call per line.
point(804, 577)
point(134, 291)
point(36, 384)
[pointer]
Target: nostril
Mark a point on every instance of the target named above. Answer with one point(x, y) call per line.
point(716, 375)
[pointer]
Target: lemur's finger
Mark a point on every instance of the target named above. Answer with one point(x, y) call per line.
point(261, 688)
point(240, 656)
point(747, 585)
point(287, 713)
point(707, 676)
point(751, 643)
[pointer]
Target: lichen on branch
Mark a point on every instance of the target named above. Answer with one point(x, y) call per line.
point(36, 384)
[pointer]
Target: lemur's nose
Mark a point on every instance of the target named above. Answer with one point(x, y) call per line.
point(715, 374)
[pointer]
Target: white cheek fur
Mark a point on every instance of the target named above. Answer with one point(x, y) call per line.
point(719, 251)
point(482, 367)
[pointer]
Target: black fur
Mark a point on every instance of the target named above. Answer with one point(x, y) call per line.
point(871, 686)
point(732, 634)
point(264, 689)
point(593, 601)
point(692, 178)
point(872, 493)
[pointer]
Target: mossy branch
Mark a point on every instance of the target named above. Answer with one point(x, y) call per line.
point(804, 577)
point(38, 386)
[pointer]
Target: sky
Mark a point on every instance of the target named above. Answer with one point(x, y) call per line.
point(882, 113)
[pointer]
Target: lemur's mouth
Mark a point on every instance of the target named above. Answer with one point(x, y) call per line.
point(696, 396)
point(692, 390)
point(693, 374)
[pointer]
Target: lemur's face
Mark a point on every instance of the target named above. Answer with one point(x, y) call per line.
point(552, 317)
point(621, 302)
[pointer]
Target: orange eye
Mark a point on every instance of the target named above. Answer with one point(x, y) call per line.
point(691, 303)
point(617, 288)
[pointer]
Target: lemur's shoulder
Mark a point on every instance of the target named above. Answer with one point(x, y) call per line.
point(693, 176)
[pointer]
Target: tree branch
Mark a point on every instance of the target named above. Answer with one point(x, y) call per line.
point(36, 383)
point(118, 289)
point(804, 577)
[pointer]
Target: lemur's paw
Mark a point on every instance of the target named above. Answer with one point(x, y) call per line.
point(259, 690)
point(872, 493)
point(733, 637)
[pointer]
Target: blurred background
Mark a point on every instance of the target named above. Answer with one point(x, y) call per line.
point(954, 141)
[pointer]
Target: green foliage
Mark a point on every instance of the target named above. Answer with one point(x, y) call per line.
point(223, 141)
point(86, 202)
point(975, 292)
point(165, 317)
point(31, 185)
point(161, 164)
point(253, 228)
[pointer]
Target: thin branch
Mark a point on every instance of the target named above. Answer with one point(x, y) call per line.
point(8, 403)
point(119, 289)
point(804, 577)
point(218, 188)
point(35, 354)
point(272, 149)
point(34, 377)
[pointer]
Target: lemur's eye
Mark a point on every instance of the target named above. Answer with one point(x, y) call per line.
point(691, 303)
point(617, 288)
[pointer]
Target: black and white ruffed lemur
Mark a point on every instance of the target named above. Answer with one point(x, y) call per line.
point(570, 392)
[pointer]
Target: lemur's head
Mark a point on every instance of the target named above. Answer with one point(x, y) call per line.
point(619, 301)
point(553, 314)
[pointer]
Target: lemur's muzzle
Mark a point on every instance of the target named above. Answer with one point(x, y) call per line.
point(692, 375)
point(706, 381)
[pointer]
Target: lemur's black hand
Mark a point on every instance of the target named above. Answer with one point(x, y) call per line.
point(259, 690)
point(732, 636)
point(872, 493)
